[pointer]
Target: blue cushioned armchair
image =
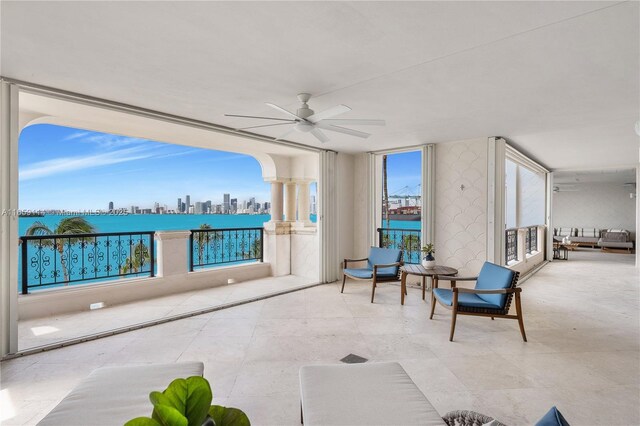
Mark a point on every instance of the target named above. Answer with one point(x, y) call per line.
point(383, 264)
point(491, 297)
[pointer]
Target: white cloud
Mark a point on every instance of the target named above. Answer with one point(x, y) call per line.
point(77, 135)
point(69, 164)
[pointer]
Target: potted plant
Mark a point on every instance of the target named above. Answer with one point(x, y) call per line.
point(428, 261)
point(187, 402)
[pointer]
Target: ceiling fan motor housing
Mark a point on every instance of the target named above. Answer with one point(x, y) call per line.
point(304, 111)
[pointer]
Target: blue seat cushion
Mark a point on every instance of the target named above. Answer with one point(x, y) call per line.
point(553, 418)
point(494, 277)
point(384, 256)
point(445, 296)
point(366, 273)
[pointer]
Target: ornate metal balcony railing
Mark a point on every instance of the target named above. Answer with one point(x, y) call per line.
point(49, 261)
point(511, 244)
point(210, 247)
point(531, 240)
point(407, 240)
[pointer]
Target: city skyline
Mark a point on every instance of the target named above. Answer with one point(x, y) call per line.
point(63, 168)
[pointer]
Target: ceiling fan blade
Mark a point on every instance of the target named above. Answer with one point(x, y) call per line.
point(354, 122)
point(284, 111)
point(346, 131)
point(319, 135)
point(261, 118)
point(266, 125)
point(285, 134)
point(328, 113)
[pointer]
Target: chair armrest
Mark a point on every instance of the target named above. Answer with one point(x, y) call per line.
point(451, 278)
point(354, 260)
point(496, 291)
point(389, 265)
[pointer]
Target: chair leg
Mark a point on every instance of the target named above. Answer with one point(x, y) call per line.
point(373, 289)
point(344, 278)
point(519, 314)
point(454, 313)
point(433, 305)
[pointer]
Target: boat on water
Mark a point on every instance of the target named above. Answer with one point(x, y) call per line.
point(405, 217)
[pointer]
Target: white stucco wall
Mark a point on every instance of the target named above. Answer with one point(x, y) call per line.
point(361, 208)
point(305, 252)
point(602, 205)
point(461, 214)
point(347, 203)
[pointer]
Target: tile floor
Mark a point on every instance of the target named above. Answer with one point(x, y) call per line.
point(43, 331)
point(583, 354)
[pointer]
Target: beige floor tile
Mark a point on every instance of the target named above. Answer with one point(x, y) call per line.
point(583, 353)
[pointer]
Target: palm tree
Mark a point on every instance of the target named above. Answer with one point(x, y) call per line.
point(385, 190)
point(67, 226)
point(202, 238)
point(139, 258)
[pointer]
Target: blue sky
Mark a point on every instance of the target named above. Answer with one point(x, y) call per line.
point(404, 173)
point(73, 169)
point(67, 168)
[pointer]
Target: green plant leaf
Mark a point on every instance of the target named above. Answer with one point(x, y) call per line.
point(169, 416)
point(228, 416)
point(191, 397)
point(142, 421)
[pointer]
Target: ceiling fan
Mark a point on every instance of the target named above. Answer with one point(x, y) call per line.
point(306, 120)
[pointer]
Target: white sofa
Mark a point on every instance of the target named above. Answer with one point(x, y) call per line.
point(115, 395)
point(363, 394)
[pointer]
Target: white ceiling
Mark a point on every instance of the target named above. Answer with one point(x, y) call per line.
point(558, 79)
point(574, 178)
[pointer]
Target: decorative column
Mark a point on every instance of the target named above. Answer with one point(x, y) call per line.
point(276, 201)
point(290, 202)
point(522, 249)
point(303, 204)
point(277, 245)
point(172, 258)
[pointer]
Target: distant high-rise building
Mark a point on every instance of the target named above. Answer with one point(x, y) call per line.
point(187, 200)
point(267, 207)
point(226, 205)
point(110, 206)
point(133, 209)
point(207, 206)
point(234, 205)
point(314, 207)
point(198, 207)
point(179, 209)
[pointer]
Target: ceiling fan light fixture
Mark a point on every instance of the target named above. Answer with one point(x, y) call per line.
point(304, 127)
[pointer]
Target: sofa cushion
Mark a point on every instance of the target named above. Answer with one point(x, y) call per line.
point(384, 256)
point(445, 296)
point(366, 273)
point(493, 277)
point(589, 232)
point(115, 395)
point(565, 232)
point(363, 394)
point(615, 244)
point(614, 236)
